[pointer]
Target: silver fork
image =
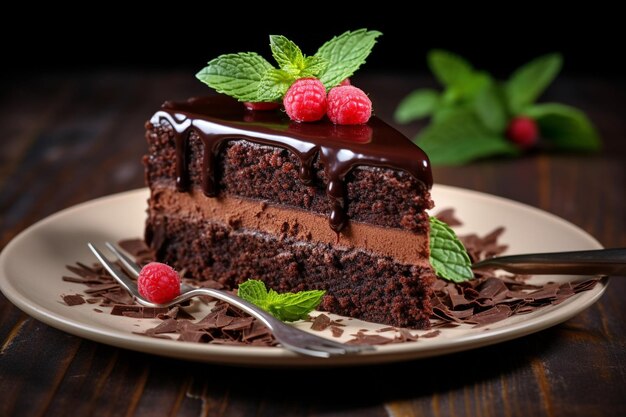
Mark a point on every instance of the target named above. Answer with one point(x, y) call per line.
point(291, 338)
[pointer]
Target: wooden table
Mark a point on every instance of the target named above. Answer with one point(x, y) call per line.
point(69, 138)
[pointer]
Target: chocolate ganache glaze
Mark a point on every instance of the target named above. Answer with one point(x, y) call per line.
point(217, 119)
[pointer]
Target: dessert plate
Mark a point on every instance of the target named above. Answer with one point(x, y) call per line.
point(32, 264)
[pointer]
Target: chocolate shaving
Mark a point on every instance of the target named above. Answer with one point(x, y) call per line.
point(336, 331)
point(361, 338)
point(321, 322)
point(405, 336)
point(386, 329)
point(137, 311)
point(73, 299)
point(448, 216)
point(167, 326)
point(432, 334)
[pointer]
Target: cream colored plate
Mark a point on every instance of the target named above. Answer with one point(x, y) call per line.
point(32, 264)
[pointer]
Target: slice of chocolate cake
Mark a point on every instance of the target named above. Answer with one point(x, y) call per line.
point(238, 194)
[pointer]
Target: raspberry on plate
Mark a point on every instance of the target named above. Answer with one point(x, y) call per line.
point(348, 105)
point(305, 101)
point(158, 282)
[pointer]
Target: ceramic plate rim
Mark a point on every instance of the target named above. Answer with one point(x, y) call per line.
point(259, 356)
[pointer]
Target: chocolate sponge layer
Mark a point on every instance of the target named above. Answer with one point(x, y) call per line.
point(358, 284)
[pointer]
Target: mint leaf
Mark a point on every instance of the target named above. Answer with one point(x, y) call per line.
point(491, 108)
point(313, 66)
point(528, 82)
point(287, 54)
point(286, 306)
point(450, 69)
point(345, 54)
point(418, 104)
point(253, 291)
point(294, 306)
point(448, 256)
point(237, 75)
point(274, 85)
point(565, 127)
point(460, 137)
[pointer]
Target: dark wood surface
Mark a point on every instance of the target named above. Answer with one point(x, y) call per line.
point(73, 137)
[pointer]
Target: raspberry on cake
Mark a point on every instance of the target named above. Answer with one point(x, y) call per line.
point(348, 105)
point(300, 206)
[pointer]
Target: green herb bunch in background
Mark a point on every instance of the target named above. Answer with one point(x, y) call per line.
point(477, 116)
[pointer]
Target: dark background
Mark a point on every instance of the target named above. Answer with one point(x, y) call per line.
point(498, 39)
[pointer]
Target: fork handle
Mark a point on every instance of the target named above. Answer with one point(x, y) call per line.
point(589, 262)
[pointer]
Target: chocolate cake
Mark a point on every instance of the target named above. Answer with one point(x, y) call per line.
point(238, 194)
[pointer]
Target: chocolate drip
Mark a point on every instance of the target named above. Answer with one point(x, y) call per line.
point(339, 148)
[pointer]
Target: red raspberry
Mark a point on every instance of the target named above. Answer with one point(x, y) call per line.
point(523, 131)
point(261, 105)
point(158, 282)
point(348, 105)
point(345, 82)
point(305, 101)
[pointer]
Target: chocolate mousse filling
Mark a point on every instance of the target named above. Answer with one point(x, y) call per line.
point(281, 222)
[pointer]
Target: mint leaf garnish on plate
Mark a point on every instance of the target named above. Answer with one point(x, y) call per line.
point(448, 256)
point(248, 76)
point(477, 116)
point(284, 306)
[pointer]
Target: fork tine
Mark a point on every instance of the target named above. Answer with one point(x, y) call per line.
point(115, 272)
point(130, 266)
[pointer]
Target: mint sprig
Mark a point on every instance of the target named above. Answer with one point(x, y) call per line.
point(470, 116)
point(448, 256)
point(247, 76)
point(284, 306)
